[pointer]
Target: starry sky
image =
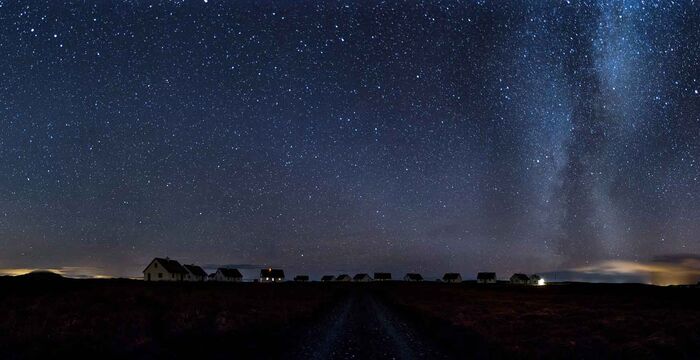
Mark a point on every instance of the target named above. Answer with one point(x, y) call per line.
point(329, 136)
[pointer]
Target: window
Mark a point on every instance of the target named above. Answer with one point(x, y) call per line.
point(160, 275)
point(155, 265)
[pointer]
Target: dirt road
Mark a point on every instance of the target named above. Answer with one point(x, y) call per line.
point(362, 327)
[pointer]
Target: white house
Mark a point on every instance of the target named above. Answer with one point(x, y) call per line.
point(327, 278)
point(228, 275)
point(164, 269)
point(452, 278)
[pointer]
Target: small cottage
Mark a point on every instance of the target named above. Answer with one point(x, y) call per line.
point(520, 279)
point(452, 278)
point(228, 275)
point(343, 278)
point(382, 276)
point(195, 273)
point(413, 277)
point(271, 275)
point(301, 278)
point(486, 278)
point(362, 278)
point(164, 269)
point(327, 278)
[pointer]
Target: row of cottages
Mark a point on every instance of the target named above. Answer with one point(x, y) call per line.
point(481, 278)
point(166, 269)
point(522, 279)
point(378, 276)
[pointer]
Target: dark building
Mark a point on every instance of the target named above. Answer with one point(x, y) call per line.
point(362, 278)
point(520, 279)
point(343, 278)
point(228, 275)
point(382, 276)
point(195, 273)
point(486, 278)
point(271, 275)
point(413, 277)
point(452, 278)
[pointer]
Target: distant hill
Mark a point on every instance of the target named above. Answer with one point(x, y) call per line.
point(40, 275)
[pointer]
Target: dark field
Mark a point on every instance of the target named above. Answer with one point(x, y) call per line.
point(557, 321)
point(121, 318)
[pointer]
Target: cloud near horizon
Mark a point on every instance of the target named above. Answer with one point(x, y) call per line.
point(673, 269)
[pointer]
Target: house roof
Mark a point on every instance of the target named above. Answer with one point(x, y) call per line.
point(195, 270)
point(343, 276)
point(521, 277)
point(414, 276)
point(486, 275)
point(327, 278)
point(361, 276)
point(273, 273)
point(170, 266)
point(302, 277)
point(230, 273)
point(451, 276)
point(382, 276)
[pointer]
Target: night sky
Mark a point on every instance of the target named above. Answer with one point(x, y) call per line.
point(341, 136)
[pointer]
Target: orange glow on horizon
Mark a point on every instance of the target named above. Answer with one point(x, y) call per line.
point(67, 271)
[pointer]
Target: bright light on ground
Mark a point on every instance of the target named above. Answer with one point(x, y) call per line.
point(540, 282)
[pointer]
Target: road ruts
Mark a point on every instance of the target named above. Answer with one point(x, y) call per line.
point(362, 327)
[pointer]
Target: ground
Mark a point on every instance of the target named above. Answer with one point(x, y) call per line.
point(134, 319)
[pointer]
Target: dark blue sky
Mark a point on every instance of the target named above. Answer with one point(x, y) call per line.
point(323, 136)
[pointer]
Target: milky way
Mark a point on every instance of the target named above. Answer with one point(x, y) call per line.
point(328, 136)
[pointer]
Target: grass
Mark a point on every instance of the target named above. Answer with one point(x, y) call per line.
point(119, 318)
point(578, 320)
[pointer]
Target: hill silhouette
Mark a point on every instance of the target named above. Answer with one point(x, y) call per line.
point(41, 275)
